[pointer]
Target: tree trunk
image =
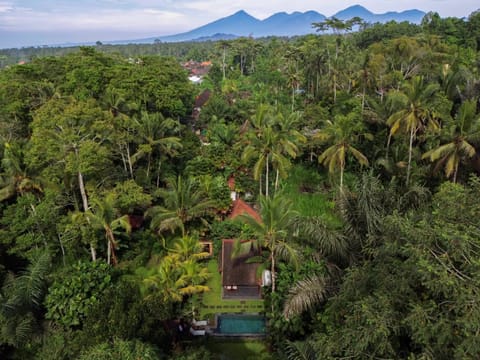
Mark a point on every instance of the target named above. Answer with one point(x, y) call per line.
point(83, 193)
point(109, 251)
point(410, 150)
point(111, 257)
point(334, 88)
point(341, 177)
point(293, 98)
point(455, 173)
point(62, 248)
point(276, 180)
point(158, 171)
point(148, 164)
point(266, 177)
point(129, 159)
point(272, 269)
point(388, 145)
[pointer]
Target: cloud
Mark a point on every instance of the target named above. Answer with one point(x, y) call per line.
point(5, 7)
point(115, 19)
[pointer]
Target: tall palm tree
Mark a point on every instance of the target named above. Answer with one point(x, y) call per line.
point(156, 134)
point(416, 114)
point(462, 135)
point(271, 141)
point(274, 230)
point(341, 134)
point(289, 139)
point(183, 201)
point(224, 45)
point(104, 215)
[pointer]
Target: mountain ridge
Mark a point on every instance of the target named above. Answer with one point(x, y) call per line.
point(282, 23)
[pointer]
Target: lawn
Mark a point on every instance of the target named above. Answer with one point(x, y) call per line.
point(210, 303)
point(238, 350)
point(305, 187)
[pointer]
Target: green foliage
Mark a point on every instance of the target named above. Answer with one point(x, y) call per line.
point(32, 225)
point(396, 302)
point(296, 325)
point(76, 292)
point(21, 300)
point(130, 197)
point(100, 133)
point(121, 350)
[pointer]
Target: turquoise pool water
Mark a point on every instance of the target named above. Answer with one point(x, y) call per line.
point(241, 324)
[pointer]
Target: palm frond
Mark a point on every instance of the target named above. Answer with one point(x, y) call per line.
point(300, 350)
point(305, 295)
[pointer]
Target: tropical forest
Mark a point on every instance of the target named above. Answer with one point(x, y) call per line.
point(324, 186)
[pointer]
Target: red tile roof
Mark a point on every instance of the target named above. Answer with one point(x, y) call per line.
point(231, 183)
point(241, 207)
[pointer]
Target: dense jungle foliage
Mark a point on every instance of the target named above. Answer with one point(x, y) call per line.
point(360, 151)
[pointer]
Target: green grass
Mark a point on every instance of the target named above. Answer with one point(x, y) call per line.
point(305, 187)
point(210, 303)
point(238, 350)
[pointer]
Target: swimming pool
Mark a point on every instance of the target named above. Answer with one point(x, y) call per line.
point(241, 324)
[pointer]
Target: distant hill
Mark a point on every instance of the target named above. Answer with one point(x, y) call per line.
point(280, 24)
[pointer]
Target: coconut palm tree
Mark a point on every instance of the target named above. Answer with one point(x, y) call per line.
point(183, 202)
point(14, 179)
point(462, 135)
point(274, 230)
point(272, 140)
point(156, 133)
point(341, 134)
point(104, 215)
point(416, 113)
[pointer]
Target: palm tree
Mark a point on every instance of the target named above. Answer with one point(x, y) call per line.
point(305, 295)
point(103, 215)
point(341, 133)
point(188, 247)
point(183, 201)
point(461, 135)
point(14, 178)
point(21, 299)
point(156, 133)
point(301, 350)
point(224, 45)
point(178, 274)
point(274, 229)
point(270, 140)
point(417, 113)
point(289, 139)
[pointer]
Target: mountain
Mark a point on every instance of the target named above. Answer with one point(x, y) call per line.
point(355, 10)
point(280, 24)
point(413, 16)
point(240, 24)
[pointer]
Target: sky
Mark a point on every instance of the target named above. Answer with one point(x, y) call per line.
point(49, 22)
